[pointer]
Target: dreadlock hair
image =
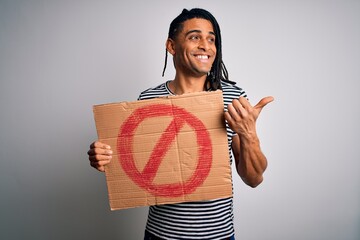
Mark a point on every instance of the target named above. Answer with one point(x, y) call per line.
point(218, 70)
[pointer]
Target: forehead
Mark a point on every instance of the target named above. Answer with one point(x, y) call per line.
point(197, 24)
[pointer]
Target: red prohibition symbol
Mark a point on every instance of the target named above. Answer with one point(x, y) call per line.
point(145, 178)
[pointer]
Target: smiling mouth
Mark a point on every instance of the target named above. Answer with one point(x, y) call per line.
point(202, 57)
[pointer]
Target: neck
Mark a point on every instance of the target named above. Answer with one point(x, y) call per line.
point(181, 85)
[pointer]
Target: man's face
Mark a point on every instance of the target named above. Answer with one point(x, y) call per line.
point(194, 47)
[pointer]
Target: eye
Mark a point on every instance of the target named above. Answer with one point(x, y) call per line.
point(194, 37)
point(211, 39)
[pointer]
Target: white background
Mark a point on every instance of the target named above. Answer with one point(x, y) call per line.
point(58, 58)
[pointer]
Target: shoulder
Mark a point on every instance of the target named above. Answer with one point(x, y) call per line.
point(158, 91)
point(231, 91)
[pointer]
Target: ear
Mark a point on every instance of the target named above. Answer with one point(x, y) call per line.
point(170, 46)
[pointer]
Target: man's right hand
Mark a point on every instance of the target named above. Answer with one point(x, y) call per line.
point(100, 155)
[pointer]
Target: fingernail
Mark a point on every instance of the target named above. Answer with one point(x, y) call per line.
point(109, 152)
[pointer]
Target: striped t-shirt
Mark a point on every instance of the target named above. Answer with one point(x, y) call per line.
point(194, 220)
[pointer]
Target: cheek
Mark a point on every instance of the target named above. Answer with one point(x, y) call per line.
point(214, 49)
point(215, 54)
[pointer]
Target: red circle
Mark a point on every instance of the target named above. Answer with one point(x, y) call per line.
point(144, 180)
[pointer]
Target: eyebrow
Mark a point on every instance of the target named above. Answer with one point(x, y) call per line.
point(198, 31)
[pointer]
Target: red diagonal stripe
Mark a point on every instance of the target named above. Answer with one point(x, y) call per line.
point(161, 148)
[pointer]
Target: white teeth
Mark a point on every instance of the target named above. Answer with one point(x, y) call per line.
point(202, 56)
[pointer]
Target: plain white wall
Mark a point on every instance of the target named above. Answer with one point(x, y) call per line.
point(58, 58)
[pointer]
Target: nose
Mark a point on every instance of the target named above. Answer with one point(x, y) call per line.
point(204, 44)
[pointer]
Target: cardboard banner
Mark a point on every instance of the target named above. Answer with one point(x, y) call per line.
point(165, 150)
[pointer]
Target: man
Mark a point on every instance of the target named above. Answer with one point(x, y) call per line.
point(194, 41)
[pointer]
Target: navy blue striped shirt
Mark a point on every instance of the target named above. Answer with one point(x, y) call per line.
point(211, 219)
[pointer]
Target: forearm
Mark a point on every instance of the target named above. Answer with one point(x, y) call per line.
point(250, 161)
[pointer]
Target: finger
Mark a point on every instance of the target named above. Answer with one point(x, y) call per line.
point(100, 163)
point(98, 144)
point(241, 109)
point(228, 117)
point(97, 158)
point(263, 102)
point(100, 151)
point(98, 166)
point(233, 111)
point(101, 168)
point(244, 102)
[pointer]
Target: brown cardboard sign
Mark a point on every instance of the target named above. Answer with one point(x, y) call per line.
point(165, 150)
